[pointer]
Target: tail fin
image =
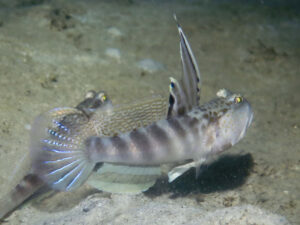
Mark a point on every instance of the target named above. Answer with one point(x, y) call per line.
point(57, 150)
point(28, 186)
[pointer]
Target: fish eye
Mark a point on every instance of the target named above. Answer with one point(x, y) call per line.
point(172, 85)
point(101, 96)
point(238, 100)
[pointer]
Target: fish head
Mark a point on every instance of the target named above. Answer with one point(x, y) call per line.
point(228, 118)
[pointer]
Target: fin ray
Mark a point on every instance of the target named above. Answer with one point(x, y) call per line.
point(125, 118)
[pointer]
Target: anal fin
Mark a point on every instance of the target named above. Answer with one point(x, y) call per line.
point(124, 179)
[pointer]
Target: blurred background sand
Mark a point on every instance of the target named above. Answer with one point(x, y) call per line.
point(53, 52)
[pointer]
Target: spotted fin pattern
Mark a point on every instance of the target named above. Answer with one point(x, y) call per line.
point(127, 117)
point(56, 148)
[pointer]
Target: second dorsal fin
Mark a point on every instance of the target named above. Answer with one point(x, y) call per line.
point(184, 95)
point(127, 117)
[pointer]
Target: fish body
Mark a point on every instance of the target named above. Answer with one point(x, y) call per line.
point(64, 157)
point(203, 131)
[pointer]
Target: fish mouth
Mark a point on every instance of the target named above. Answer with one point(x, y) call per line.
point(247, 126)
point(250, 120)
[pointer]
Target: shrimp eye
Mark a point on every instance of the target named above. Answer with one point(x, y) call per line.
point(103, 98)
point(238, 100)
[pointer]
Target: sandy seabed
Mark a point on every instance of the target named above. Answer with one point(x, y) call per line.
point(53, 52)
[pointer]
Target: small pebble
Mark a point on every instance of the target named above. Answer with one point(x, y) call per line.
point(114, 32)
point(150, 65)
point(28, 127)
point(85, 209)
point(113, 53)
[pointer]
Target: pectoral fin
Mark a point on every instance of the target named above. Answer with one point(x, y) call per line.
point(179, 170)
point(124, 179)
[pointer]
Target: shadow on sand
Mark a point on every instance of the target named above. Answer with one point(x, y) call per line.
point(226, 173)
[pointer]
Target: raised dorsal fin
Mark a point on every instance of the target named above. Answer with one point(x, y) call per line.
point(184, 95)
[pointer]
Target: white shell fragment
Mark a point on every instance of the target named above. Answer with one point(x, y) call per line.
point(149, 65)
point(113, 53)
point(114, 32)
point(223, 93)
